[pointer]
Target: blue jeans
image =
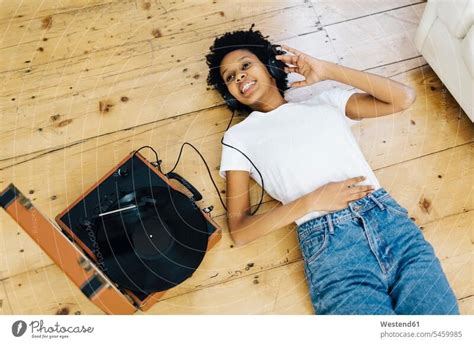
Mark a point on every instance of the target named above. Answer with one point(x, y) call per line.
point(371, 258)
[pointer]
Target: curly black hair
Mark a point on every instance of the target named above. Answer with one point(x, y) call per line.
point(250, 40)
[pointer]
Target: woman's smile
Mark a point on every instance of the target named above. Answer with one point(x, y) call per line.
point(248, 89)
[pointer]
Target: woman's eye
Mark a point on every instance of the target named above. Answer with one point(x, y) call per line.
point(245, 64)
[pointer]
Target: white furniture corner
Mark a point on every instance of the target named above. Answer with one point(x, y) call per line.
point(445, 38)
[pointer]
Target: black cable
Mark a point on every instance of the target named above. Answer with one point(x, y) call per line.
point(261, 178)
point(158, 164)
point(158, 161)
point(205, 163)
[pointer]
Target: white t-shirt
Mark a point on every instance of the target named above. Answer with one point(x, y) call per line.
point(298, 147)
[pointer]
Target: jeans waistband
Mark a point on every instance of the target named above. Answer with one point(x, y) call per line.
point(340, 216)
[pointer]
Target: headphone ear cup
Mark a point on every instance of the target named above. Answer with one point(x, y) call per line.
point(230, 101)
point(275, 67)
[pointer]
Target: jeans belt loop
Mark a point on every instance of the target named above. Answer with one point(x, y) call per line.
point(376, 201)
point(331, 227)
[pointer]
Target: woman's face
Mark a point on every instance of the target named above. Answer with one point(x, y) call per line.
point(241, 67)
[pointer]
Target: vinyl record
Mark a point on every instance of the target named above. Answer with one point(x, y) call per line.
point(155, 245)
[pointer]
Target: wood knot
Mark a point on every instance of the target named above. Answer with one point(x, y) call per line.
point(425, 205)
point(105, 106)
point(63, 311)
point(64, 123)
point(249, 265)
point(156, 33)
point(46, 22)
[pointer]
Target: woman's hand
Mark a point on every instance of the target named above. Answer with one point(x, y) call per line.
point(336, 195)
point(310, 67)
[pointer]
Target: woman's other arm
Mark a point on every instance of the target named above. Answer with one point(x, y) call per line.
point(383, 96)
point(245, 228)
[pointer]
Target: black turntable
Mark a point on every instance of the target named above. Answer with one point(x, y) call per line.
point(143, 233)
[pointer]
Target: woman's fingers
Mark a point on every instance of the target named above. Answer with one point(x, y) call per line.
point(360, 191)
point(298, 84)
point(292, 59)
point(362, 188)
point(357, 196)
point(354, 180)
point(292, 70)
point(289, 59)
point(291, 50)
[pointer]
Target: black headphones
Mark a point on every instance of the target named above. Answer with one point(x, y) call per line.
point(274, 66)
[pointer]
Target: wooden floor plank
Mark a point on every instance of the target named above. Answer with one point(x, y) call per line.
point(451, 235)
point(377, 39)
point(466, 305)
point(332, 12)
point(417, 185)
point(17, 12)
point(5, 308)
point(459, 271)
point(281, 290)
point(47, 291)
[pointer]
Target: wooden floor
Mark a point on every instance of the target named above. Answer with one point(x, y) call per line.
point(83, 83)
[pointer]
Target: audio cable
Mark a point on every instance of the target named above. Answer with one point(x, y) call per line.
point(158, 164)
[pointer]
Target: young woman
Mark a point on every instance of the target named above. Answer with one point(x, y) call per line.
point(362, 252)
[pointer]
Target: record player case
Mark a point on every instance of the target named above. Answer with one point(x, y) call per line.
point(71, 247)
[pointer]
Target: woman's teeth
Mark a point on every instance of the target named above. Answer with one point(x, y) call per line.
point(247, 86)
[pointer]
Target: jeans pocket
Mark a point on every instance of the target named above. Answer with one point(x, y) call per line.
point(313, 245)
point(393, 206)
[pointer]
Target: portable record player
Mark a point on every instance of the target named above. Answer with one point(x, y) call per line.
point(128, 239)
